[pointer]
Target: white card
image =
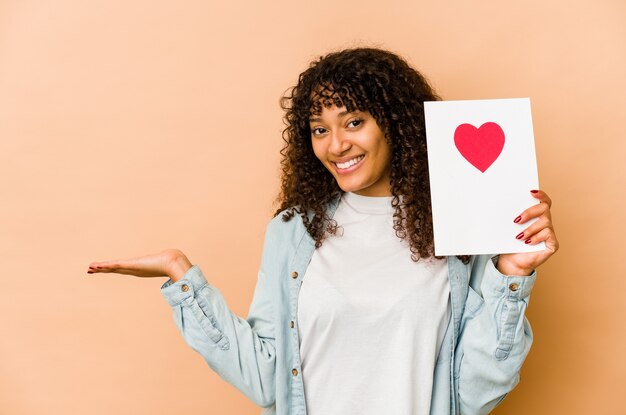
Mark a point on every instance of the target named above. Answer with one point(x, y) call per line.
point(482, 165)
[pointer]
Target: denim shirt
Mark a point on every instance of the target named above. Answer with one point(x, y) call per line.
point(486, 341)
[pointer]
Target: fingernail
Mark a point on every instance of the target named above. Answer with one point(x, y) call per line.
point(527, 241)
point(534, 191)
point(517, 219)
point(520, 236)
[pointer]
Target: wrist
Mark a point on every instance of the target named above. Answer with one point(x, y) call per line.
point(179, 266)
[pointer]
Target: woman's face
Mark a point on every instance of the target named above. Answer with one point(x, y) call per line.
point(353, 148)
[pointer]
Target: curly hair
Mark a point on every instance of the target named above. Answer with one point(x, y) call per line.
point(385, 85)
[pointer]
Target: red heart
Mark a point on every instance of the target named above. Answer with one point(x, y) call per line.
point(480, 146)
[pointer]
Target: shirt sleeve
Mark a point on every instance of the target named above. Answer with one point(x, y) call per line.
point(241, 351)
point(495, 336)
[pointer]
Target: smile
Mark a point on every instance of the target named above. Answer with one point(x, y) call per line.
point(349, 165)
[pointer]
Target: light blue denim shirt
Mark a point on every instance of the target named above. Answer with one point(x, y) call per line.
point(486, 342)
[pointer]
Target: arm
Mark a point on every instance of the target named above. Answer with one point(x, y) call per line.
point(240, 351)
point(495, 336)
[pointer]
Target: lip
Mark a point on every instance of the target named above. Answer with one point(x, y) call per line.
point(349, 169)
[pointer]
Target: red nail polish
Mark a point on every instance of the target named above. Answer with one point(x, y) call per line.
point(527, 241)
point(520, 236)
point(534, 191)
point(517, 219)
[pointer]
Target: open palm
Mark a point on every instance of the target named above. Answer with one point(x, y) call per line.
point(163, 264)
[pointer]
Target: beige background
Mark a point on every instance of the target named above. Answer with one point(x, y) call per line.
point(128, 127)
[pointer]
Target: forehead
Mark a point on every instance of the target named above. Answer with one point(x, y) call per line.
point(326, 96)
point(331, 112)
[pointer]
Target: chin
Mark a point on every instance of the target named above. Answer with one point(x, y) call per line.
point(351, 187)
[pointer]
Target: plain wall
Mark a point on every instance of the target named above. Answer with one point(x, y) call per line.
point(129, 127)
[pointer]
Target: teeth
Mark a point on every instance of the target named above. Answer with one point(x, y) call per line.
point(349, 163)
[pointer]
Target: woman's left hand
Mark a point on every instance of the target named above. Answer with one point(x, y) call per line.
point(541, 230)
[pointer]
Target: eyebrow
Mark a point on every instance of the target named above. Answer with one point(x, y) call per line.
point(341, 114)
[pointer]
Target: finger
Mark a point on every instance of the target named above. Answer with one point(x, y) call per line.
point(94, 267)
point(102, 265)
point(542, 196)
point(534, 212)
point(142, 266)
point(110, 269)
point(546, 235)
point(536, 227)
point(108, 266)
point(141, 263)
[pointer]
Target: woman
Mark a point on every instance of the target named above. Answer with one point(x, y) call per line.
point(379, 325)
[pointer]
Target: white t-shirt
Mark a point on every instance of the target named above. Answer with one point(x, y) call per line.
point(371, 321)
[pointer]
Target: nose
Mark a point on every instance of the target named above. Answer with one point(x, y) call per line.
point(338, 143)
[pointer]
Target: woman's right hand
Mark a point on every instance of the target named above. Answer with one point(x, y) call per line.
point(169, 263)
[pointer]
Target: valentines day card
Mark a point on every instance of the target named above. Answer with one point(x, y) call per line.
point(482, 165)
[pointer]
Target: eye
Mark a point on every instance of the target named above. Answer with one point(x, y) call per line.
point(358, 122)
point(314, 130)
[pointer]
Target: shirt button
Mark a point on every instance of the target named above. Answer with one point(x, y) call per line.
point(184, 287)
point(291, 324)
point(294, 274)
point(295, 372)
point(513, 287)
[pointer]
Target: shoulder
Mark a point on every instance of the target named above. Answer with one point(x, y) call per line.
point(278, 222)
point(281, 242)
point(280, 231)
point(293, 228)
